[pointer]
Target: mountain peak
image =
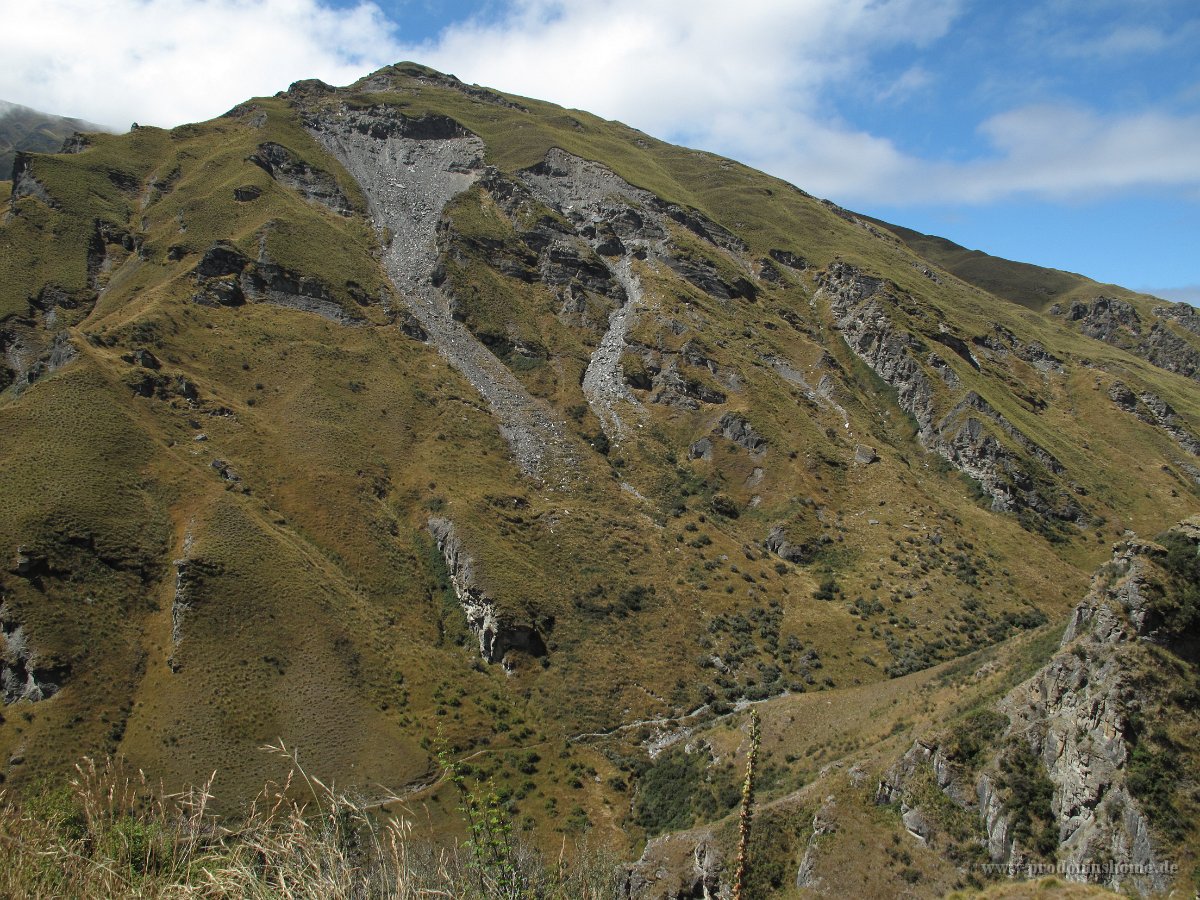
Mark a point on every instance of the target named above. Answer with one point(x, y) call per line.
point(359, 409)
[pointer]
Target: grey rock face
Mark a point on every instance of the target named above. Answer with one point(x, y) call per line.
point(497, 632)
point(1074, 716)
point(736, 428)
point(777, 542)
point(678, 865)
point(824, 822)
point(1103, 317)
point(409, 169)
point(968, 433)
point(227, 277)
point(624, 224)
point(823, 394)
point(789, 259)
point(23, 675)
point(1002, 342)
point(1117, 322)
point(25, 184)
point(705, 276)
point(1153, 410)
point(602, 207)
point(28, 353)
point(312, 183)
point(864, 455)
point(1182, 314)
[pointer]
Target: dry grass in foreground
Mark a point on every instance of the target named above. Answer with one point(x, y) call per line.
point(110, 834)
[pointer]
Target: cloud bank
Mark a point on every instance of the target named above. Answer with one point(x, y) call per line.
point(167, 62)
point(755, 81)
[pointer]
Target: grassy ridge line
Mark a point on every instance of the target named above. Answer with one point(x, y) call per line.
point(1032, 286)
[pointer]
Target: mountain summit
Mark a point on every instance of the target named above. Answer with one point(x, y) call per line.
point(411, 418)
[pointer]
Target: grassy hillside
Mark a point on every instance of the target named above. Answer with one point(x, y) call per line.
point(228, 437)
point(1036, 287)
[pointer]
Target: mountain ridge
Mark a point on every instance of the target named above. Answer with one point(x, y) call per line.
point(411, 402)
point(22, 128)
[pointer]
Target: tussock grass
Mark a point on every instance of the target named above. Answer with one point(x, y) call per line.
point(110, 833)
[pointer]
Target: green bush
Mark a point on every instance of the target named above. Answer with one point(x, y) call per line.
point(1030, 793)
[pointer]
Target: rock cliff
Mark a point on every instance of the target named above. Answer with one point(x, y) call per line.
point(1078, 727)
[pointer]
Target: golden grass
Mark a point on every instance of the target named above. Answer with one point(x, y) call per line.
point(109, 832)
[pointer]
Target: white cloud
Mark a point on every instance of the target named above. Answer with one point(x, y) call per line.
point(911, 81)
point(1049, 152)
point(670, 67)
point(1121, 41)
point(166, 62)
point(751, 80)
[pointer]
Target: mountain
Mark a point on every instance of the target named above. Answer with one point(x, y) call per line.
point(22, 128)
point(411, 421)
point(1152, 328)
point(1029, 285)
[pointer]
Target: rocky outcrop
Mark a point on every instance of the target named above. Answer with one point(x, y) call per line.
point(858, 304)
point(627, 225)
point(1103, 317)
point(735, 427)
point(25, 183)
point(23, 674)
point(497, 631)
point(1075, 717)
point(675, 866)
point(824, 822)
point(778, 542)
point(604, 209)
point(1182, 314)
point(824, 393)
point(1153, 410)
point(864, 455)
point(313, 184)
point(384, 80)
point(664, 374)
point(409, 169)
point(1001, 342)
point(789, 259)
point(1117, 322)
point(28, 353)
point(226, 277)
point(1017, 480)
point(703, 274)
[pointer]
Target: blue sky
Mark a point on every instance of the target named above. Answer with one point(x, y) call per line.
point(1063, 132)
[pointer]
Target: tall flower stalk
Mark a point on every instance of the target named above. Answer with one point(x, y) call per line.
point(746, 817)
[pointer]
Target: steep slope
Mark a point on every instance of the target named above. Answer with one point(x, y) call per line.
point(1074, 758)
point(1160, 332)
point(411, 415)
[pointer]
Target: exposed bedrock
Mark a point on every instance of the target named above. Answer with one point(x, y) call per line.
point(497, 631)
point(1117, 322)
point(409, 169)
point(24, 675)
point(226, 277)
point(1014, 470)
point(1155, 411)
point(310, 182)
point(1076, 718)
